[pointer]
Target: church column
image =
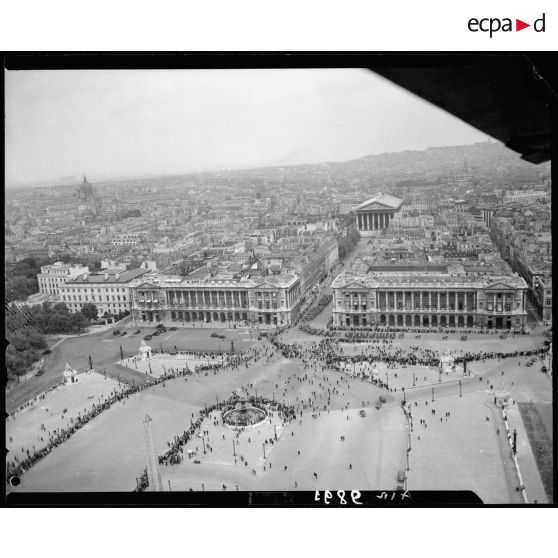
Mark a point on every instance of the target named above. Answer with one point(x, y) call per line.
point(358, 221)
point(438, 293)
point(386, 220)
point(382, 221)
point(368, 222)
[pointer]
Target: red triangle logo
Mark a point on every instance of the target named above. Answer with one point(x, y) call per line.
point(519, 25)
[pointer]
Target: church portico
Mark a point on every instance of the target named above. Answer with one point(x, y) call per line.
point(376, 213)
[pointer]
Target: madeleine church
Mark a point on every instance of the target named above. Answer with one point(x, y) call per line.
point(375, 213)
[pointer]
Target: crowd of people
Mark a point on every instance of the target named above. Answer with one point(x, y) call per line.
point(175, 453)
point(18, 465)
point(314, 310)
point(329, 352)
point(365, 333)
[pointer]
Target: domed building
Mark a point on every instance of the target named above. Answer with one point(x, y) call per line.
point(85, 190)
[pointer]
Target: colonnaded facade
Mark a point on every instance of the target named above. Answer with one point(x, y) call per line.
point(272, 300)
point(375, 213)
point(429, 300)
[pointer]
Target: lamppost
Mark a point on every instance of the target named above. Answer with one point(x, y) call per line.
point(203, 442)
point(263, 445)
point(387, 380)
point(90, 362)
point(234, 448)
point(460, 393)
point(514, 441)
point(432, 394)
point(414, 378)
point(404, 401)
point(275, 431)
point(121, 353)
point(408, 450)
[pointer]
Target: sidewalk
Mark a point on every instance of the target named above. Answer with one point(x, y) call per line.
point(91, 330)
point(525, 458)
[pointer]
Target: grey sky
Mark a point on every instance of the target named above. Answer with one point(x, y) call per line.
point(115, 123)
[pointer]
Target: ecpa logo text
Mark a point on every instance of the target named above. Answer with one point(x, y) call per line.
point(494, 24)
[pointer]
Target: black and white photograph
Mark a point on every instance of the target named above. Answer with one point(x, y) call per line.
point(309, 279)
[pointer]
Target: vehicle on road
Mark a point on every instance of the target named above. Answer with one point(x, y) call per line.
point(173, 328)
point(116, 332)
point(137, 331)
point(123, 333)
point(148, 337)
point(218, 335)
point(40, 372)
point(156, 332)
point(362, 413)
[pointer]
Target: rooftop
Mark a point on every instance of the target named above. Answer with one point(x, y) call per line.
point(411, 280)
point(390, 202)
point(124, 277)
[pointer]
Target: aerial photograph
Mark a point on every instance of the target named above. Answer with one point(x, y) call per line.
point(328, 280)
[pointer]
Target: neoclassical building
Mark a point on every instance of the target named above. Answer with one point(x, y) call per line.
point(270, 300)
point(429, 300)
point(375, 213)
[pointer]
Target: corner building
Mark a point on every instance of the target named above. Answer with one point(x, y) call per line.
point(429, 300)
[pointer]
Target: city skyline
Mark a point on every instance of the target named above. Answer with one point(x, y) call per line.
point(183, 121)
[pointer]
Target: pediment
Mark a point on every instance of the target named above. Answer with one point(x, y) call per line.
point(375, 205)
point(355, 285)
point(499, 286)
point(146, 286)
point(266, 285)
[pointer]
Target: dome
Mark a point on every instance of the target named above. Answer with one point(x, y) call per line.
point(85, 189)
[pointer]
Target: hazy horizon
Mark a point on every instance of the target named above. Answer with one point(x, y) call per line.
point(126, 123)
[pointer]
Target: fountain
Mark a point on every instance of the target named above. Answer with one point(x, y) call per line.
point(244, 414)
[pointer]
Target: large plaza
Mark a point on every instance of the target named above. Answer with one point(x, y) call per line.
point(350, 430)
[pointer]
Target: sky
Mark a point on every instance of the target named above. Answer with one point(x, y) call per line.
point(117, 123)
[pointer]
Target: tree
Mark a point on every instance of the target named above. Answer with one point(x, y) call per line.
point(79, 321)
point(60, 308)
point(59, 323)
point(90, 311)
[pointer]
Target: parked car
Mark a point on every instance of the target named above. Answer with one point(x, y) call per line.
point(148, 337)
point(137, 331)
point(40, 372)
point(123, 333)
point(116, 332)
point(156, 332)
point(362, 413)
point(173, 328)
